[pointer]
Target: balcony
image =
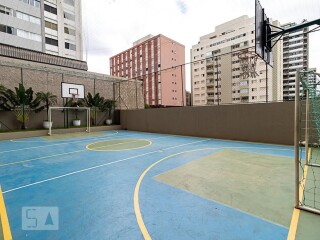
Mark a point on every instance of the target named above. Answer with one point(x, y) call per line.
point(210, 90)
point(210, 83)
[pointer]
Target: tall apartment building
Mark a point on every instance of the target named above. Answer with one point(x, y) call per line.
point(295, 57)
point(48, 26)
point(154, 59)
point(216, 74)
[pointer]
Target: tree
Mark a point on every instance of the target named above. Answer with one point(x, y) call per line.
point(77, 103)
point(20, 101)
point(94, 102)
point(48, 99)
point(108, 107)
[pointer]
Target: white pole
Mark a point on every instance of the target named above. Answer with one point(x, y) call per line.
point(49, 121)
point(88, 120)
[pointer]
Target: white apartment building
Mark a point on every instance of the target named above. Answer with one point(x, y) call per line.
point(49, 26)
point(295, 57)
point(216, 74)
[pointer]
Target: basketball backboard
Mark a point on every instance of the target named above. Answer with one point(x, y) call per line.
point(69, 90)
point(262, 33)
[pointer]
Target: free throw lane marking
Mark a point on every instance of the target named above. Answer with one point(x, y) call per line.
point(4, 219)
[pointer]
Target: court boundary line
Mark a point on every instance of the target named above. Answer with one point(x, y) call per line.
point(79, 141)
point(160, 150)
point(57, 144)
point(98, 166)
point(16, 140)
point(61, 154)
point(64, 143)
point(4, 219)
point(296, 211)
point(39, 158)
point(136, 204)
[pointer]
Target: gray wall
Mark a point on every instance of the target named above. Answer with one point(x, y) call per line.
point(264, 122)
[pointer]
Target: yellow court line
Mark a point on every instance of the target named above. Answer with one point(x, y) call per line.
point(4, 219)
point(136, 204)
point(296, 212)
point(113, 150)
point(39, 158)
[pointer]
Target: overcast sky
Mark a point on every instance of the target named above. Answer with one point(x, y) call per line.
point(111, 26)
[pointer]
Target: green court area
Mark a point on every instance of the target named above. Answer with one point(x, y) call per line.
point(118, 145)
point(258, 184)
point(308, 227)
point(311, 192)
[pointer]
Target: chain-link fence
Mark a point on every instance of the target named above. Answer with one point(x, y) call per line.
point(235, 76)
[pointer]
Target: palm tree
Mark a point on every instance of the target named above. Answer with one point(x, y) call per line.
point(20, 100)
point(108, 107)
point(94, 102)
point(77, 103)
point(48, 99)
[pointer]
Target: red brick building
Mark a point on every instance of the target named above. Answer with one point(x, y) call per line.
point(159, 61)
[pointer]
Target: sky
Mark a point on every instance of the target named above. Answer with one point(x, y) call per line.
point(111, 26)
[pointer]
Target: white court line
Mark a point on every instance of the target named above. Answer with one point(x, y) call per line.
point(70, 141)
point(99, 166)
point(84, 140)
point(61, 154)
point(126, 159)
point(17, 140)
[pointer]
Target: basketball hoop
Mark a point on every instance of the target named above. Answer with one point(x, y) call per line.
point(248, 62)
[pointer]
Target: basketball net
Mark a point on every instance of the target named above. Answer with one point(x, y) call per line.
point(74, 97)
point(248, 62)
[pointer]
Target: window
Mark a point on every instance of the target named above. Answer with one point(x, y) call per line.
point(69, 16)
point(69, 31)
point(28, 35)
point(35, 3)
point(6, 29)
point(51, 25)
point(70, 46)
point(6, 10)
point(70, 2)
point(51, 41)
point(29, 18)
point(50, 9)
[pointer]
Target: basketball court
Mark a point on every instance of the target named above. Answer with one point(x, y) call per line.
point(134, 185)
point(137, 185)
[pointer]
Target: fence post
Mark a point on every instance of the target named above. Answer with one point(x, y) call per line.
point(296, 137)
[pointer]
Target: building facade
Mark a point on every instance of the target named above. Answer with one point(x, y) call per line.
point(159, 62)
point(295, 57)
point(216, 70)
point(48, 26)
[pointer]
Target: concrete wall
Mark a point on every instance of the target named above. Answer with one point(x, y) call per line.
point(60, 119)
point(47, 78)
point(264, 122)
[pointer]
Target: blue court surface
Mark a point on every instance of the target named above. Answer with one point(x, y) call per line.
point(134, 185)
